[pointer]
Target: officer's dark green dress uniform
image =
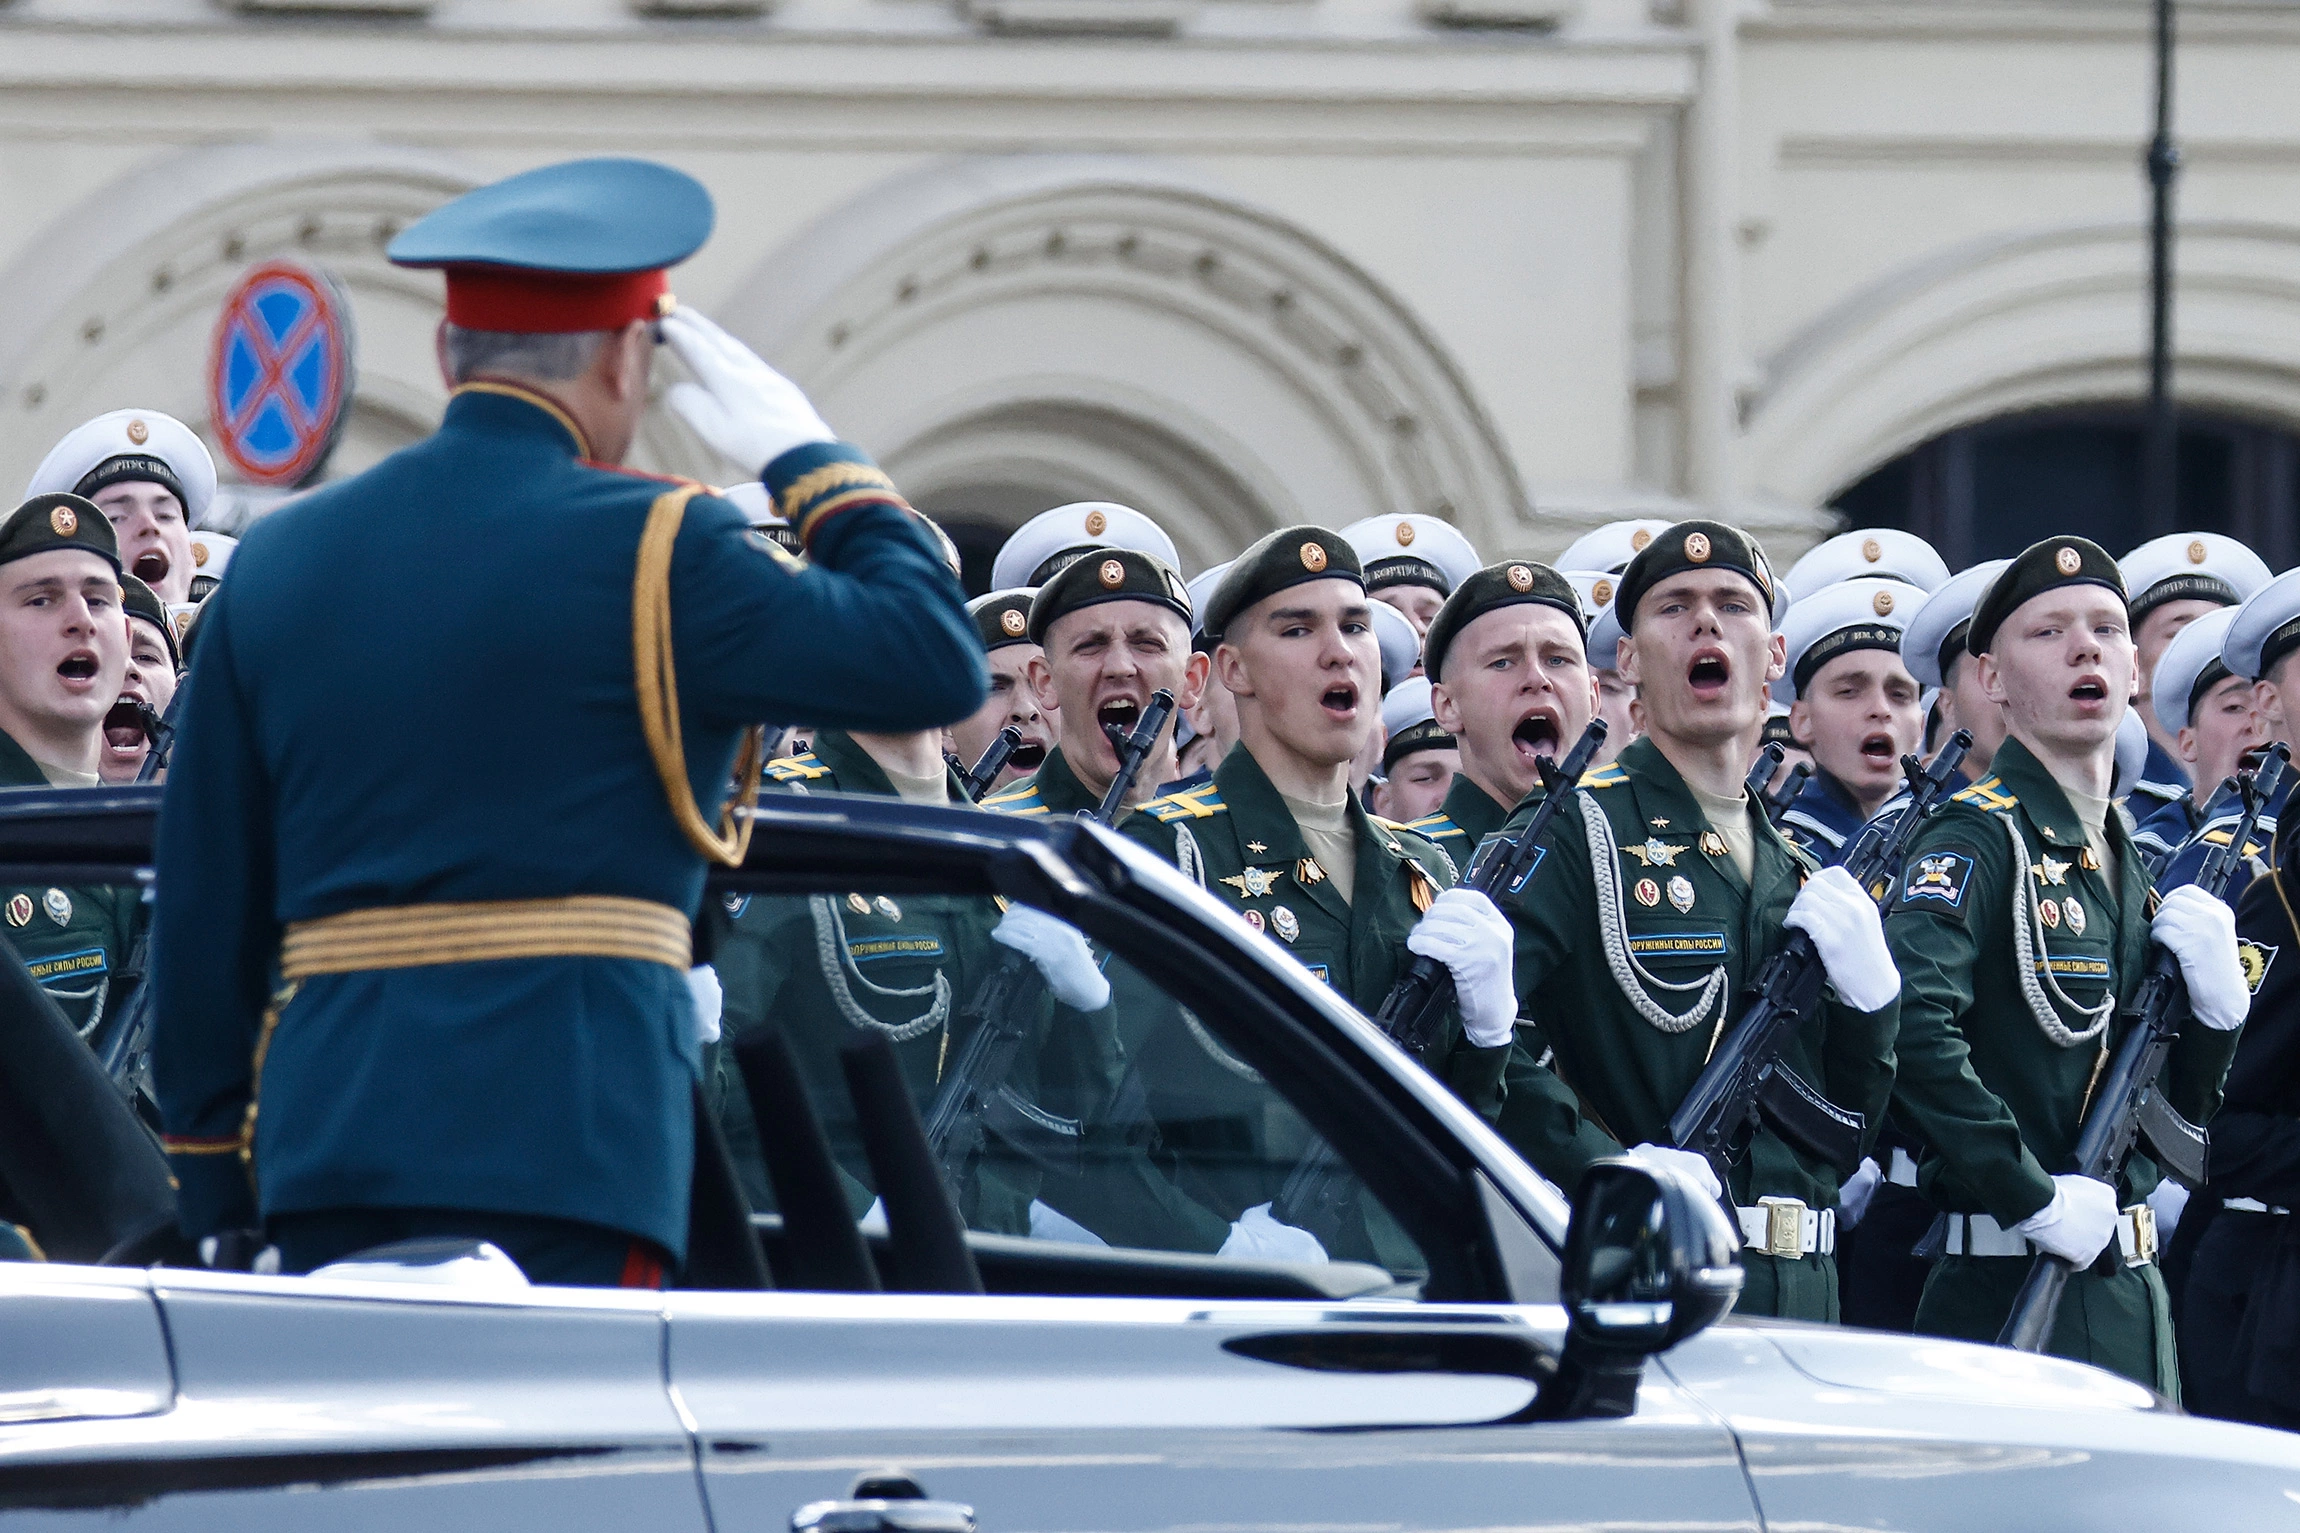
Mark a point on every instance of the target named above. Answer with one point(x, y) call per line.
point(1054, 789)
point(2016, 965)
point(477, 880)
point(1636, 937)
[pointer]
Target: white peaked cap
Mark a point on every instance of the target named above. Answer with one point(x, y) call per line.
point(1885, 552)
point(1951, 604)
point(131, 434)
point(1409, 549)
point(1072, 529)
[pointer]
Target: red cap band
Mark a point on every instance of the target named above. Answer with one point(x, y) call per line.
point(526, 302)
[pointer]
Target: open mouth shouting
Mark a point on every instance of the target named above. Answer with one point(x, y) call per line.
point(1536, 735)
point(151, 566)
point(1877, 751)
point(1119, 713)
point(2090, 694)
point(1709, 674)
point(1029, 756)
point(1340, 701)
point(78, 670)
point(124, 740)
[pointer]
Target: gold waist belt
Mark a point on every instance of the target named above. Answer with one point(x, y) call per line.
point(412, 936)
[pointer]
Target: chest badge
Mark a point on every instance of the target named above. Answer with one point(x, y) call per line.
point(1648, 893)
point(1659, 824)
point(1255, 848)
point(20, 910)
point(1655, 853)
point(2048, 913)
point(1307, 872)
point(887, 908)
point(2074, 914)
point(2088, 861)
point(58, 904)
point(858, 904)
point(1712, 844)
point(1681, 893)
point(1252, 883)
point(1253, 918)
point(1284, 923)
point(2050, 870)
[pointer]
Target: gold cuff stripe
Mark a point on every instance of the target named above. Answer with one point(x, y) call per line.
point(799, 492)
point(414, 936)
point(823, 511)
point(226, 1145)
point(659, 696)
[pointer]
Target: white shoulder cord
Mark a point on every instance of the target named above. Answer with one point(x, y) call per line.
point(1186, 856)
point(1613, 931)
point(831, 958)
point(2028, 937)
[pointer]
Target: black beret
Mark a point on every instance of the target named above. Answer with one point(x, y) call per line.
point(1428, 735)
point(1291, 556)
point(142, 601)
point(1107, 574)
point(1002, 617)
point(1511, 583)
point(1696, 545)
point(2041, 567)
point(46, 523)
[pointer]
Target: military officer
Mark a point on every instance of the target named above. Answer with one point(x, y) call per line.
point(152, 476)
point(1868, 553)
point(1002, 618)
point(1513, 686)
point(1052, 541)
point(2240, 1308)
point(2215, 718)
point(2021, 929)
point(1412, 563)
point(1934, 650)
point(1852, 705)
point(2175, 580)
point(150, 680)
point(1419, 759)
point(1277, 836)
point(482, 1024)
point(1661, 891)
point(1112, 630)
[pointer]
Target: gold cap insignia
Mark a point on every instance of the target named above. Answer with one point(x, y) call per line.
point(2067, 561)
point(1113, 574)
point(138, 432)
point(65, 520)
point(1405, 534)
point(1601, 592)
point(1638, 540)
point(2196, 551)
point(1883, 602)
point(1520, 578)
point(199, 556)
point(1096, 524)
point(1013, 621)
point(1872, 550)
point(1313, 557)
point(1697, 547)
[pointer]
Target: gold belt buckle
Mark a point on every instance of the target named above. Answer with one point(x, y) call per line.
point(2140, 1219)
point(1784, 1227)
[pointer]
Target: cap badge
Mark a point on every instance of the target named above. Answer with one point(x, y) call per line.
point(1648, 893)
point(182, 622)
point(1405, 534)
point(2074, 914)
point(2067, 561)
point(58, 904)
point(1883, 602)
point(138, 432)
point(1638, 540)
point(1520, 578)
point(199, 556)
point(1601, 592)
point(1285, 923)
point(1697, 547)
point(1681, 893)
point(1013, 622)
point(65, 520)
point(1872, 550)
point(1096, 524)
point(20, 910)
point(2195, 550)
point(1313, 558)
point(1113, 574)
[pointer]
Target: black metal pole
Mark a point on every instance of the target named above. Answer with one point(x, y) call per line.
point(2159, 472)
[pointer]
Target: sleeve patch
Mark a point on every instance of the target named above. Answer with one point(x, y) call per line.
point(1936, 877)
point(2256, 957)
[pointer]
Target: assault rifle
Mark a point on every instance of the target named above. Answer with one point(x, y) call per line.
point(2130, 1103)
point(975, 1099)
point(1745, 1080)
point(1760, 779)
point(160, 732)
point(983, 773)
point(1320, 1191)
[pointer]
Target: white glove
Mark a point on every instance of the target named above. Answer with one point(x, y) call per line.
point(1853, 1197)
point(738, 404)
point(2078, 1223)
point(1660, 1157)
point(1463, 931)
point(1048, 1223)
point(710, 1000)
point(2200, 931)
point(1060, 954)
point(1849, 934)
point(2168, 1202)
point(1257, 1237)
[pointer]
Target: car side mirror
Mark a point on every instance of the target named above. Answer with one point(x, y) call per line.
point(1649, 1260)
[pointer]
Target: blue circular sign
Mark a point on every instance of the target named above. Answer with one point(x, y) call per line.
point(280, 374)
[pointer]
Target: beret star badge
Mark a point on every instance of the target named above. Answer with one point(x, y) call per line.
point(1313, 557)
point(1697, 547)
point(2068, 561)
point(1113, 574)
point(1013, 621)
point(65, 520)
point(1520, 578)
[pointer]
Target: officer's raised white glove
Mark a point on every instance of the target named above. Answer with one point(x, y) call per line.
point(1464, 931)
point(737, 403)
point(1853, 1197)
point(2200, 931)
point(1660, 1157)
point(1850, 936)
point(710, 1000)
point(1059, 953)
point(1257, 1237)
point(2078, 1223)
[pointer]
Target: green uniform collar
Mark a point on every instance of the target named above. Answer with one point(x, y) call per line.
point(1059, 788)
point(1254, 800)
point(854, 770)
point(1472, 809)
point(2016, 773)
point(17, 768)
point(1662, 794)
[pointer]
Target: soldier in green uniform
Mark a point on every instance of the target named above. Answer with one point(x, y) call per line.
point(1660, 892)
point(1114, 626)
point(2021, 927)
point(1277, 836)
point(1512, 685)
point(1002, 619)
